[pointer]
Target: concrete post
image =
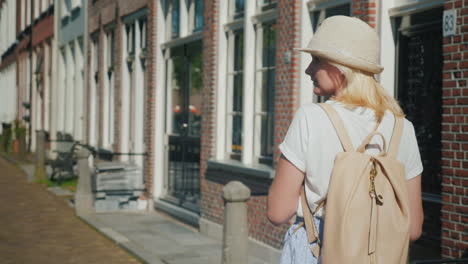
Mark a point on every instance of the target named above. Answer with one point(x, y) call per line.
point(235, 233)
point(39, 170)
point(83, 196)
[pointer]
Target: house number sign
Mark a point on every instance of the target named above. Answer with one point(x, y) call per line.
point(449, 23)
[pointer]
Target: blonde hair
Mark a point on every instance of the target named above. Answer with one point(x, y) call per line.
point(363, 90)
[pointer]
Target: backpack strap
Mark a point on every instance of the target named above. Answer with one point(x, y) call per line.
point(339, 126)
point(311, 228)
point(396, 137)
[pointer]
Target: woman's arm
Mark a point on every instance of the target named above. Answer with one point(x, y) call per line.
point(415, 207)
point(284, 192)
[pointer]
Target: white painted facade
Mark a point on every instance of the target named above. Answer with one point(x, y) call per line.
point(133, 89)
point(8, 93)
point(8, 85)
point(7, 25)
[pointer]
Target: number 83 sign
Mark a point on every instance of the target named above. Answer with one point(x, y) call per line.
point(449, 23)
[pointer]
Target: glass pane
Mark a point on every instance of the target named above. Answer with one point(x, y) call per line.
point(268, 90)
point(236, 134)
point(177, 95)
point(238, 50)
point(196, 87)
point(338, 10)
point(266, 148)
point(269, 45)
point(198, 15)
point(175, 18)
point(239, 8)
point(237, 93)
point(267, 4)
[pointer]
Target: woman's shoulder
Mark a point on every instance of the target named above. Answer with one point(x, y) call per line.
point(311, 111)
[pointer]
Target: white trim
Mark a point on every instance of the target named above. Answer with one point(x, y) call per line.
point(387, 49)
point(220, 145)
point(249, 84)
point(125, 95)
point(159, 145)
point(46, 88)
point(406, 7)
point(324, 4)
point(228, 100)
point(183, 16)
point(305, 84)
point(139, 99)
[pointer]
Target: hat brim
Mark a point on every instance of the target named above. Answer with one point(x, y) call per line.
point(344, 59)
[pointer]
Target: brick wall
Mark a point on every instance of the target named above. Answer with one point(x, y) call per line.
point(102, 13)
point(365, 10)
point(211, 204)
point(287, 80)
point(150, 93)
point(118, 66)
point(455, 136)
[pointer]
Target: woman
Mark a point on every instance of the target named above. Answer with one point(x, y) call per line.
point(345, 54)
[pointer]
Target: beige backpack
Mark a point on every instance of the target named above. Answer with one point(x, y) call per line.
point(367, 213)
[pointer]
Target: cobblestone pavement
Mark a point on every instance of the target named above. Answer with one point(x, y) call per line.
point(39, 227)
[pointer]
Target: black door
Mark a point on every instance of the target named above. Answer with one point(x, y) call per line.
point(420, 95)
point(184, 132)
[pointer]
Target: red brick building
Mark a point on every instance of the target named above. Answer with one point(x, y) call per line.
point(424, 71)
point(207, 90)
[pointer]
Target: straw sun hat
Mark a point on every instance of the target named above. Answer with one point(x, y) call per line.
point(348, 41)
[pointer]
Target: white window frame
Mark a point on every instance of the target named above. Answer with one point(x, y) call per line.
point(259, 70)
point(186, 18)
point(94, 91)
point(230, 91)
point(306, 94)
point(108, 93)
point(251, 22)
point(65, 9)
point(74, 4)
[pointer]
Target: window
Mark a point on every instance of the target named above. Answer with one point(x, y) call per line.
point(265, 92)
point(182, 17)
point(235, 109)
point(319, 13)
point(198, 19)
point(95, 58)
point(267, 4)
point(74, 4)
point(110, 48)
point(247, 129)
point(175, 18)
point(109, 87)
point(66, 7)
point(143, 33)
point(236, 8)
point(130, 34)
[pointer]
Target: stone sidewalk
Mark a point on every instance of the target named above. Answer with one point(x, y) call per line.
point(150, 236)
point(39, 227)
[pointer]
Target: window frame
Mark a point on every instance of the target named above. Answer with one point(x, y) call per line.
point(258, 112)
point(231, 74)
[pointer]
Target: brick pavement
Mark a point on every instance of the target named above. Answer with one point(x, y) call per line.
point(39, 227)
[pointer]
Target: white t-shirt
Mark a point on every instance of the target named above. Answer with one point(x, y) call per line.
point(311, 144)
